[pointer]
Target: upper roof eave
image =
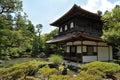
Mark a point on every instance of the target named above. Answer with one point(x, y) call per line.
point(55, 23)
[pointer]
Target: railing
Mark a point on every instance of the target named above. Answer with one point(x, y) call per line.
point(76, 58)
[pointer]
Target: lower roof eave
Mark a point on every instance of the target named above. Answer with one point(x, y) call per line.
point(74, 37)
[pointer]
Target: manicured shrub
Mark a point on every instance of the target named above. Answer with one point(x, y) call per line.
point(20, 70)
point(102, 66)
point(60, 77)
point(85, 75)
point(29, 78)
point(47, 72)
point(105, 67)
point(57, 59)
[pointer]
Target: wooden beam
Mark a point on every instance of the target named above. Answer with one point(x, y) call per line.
point(97, 50)
point(82, 50)
point(108, 53)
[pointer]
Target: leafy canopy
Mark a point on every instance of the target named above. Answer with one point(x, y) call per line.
point(111, 28)
point(10, 6)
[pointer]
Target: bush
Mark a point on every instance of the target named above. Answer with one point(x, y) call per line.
point(86, 75)
point(20, 70)
point(47, 72)
point(60, 77)
point(105, 67)
point(57, 59)
point(6, 57)
point(29, 78)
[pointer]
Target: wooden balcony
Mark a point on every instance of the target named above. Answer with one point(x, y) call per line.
point(77, 57)
point(73, 57)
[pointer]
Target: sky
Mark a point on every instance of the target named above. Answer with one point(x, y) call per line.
point(47, 11)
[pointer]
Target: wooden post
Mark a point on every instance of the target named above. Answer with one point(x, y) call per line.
point(82, 50)
point(108, 53)
point(97, 49)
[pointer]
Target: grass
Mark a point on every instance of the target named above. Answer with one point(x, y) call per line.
point(18, 60)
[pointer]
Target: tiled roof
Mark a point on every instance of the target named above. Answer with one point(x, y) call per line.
point(73, 36)
point(76, 10)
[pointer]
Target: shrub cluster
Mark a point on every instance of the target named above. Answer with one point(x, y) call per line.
point(106, 69)
point(26, 71)
point(22, 70)
point(102, 66)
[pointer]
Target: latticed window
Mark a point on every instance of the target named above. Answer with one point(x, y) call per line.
point(61, 29)
point(71, 25)
point(90, 50)
point(65, 27)
point(73, 49)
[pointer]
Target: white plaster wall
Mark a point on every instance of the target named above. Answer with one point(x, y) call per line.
point(103, 54)
point(95, 49)
point(89, 42)
point(89, 58)
point(77, 43)
point(79, 49)
point(111, 53)
point(69, 43)
point(102, 44)
point(68, 49)
point(84, 48)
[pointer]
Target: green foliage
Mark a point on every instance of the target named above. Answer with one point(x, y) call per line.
point(37, 47)
point(16, 31)
point(10, 6)
point(39, 43)
point(28, 78)
point(49, 48)
point(15, 34)
point(111, 28)
point(39, 28)
point(26, 70)
point(20, 70)
point(90, 75)
point(57, 59)
point(104, 67)
point(60, 77)
point(47, 72)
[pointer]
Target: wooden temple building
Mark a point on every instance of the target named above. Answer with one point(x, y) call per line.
point(80, 32)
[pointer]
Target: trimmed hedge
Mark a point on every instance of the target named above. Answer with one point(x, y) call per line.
point(19, 70)
point(107, 69)
point(102, 66)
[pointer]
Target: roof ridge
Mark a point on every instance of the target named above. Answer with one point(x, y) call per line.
point(80, 10)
